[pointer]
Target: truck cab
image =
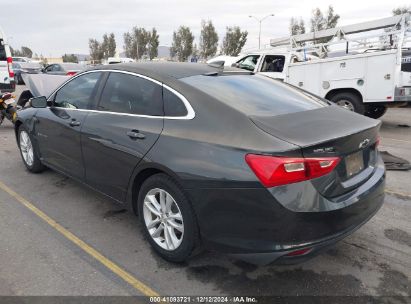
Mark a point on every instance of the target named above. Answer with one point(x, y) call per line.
point(366, 74)
point(271, 64)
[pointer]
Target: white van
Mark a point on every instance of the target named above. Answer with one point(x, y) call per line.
point(7, 83)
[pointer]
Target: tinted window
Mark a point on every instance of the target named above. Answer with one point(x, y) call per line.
point(126, 93)
point(255, 95)
point(78, 93)
point(173, 105)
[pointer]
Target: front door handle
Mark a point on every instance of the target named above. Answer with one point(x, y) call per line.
point(134, 134)
point(74, 123)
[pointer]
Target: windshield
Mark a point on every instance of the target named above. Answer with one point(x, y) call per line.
point(255, 95)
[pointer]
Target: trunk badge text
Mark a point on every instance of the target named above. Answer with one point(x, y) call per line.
point(324, 150)
point(364, 143)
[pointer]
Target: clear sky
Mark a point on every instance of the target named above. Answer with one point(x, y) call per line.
point(55, 27)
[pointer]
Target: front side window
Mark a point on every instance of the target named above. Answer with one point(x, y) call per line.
point(249, 62)
point(125, 93)
point(79, 93)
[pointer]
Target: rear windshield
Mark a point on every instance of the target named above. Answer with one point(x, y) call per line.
point(255, 94)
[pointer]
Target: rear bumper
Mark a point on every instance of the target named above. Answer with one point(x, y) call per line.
point(8, 87)
point(402, 94)
point(253, 225)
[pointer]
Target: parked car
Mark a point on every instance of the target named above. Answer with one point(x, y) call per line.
point(21, 59)
point(7, 83)
point(25, 67)
point(237, 162)
point(67, 69)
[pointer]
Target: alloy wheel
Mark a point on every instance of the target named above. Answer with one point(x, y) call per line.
point(163, 219)
point(26, 148)
point(346, 104)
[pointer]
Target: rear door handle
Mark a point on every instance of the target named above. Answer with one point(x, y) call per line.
point(74, 123)
point(134, 134)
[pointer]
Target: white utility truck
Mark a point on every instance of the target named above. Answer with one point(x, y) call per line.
point(363, 67)
point(7, 83)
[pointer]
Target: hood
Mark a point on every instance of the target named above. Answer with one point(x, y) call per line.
point(43, 84)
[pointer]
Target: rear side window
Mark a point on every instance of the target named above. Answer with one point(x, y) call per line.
point(131, 94)
point(255, 94)
point(78, 93)
point(173, 105)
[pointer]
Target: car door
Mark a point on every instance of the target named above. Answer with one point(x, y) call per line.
point(58, 127)
point(115, 138)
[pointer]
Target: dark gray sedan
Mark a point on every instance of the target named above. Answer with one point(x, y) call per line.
point(210, 158)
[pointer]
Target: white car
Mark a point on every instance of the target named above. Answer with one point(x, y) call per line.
point(7, 83)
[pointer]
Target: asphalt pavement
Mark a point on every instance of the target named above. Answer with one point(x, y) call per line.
point(37, 256)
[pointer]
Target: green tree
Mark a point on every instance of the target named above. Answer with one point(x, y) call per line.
point(111, 45)
point(136, 42)
point(23, 52)
point(401, 10)
point(26, 52)
point(95, 50)
point(153, 43)
point(69, 58)
point(182, 46)
point(319, 22)
point(208, 39)
point(234, 41)
point(128, 45)
point(297, 26)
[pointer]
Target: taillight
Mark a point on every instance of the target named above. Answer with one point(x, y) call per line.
point(299, 252)
point(71, 73)
point(276, 171)
point(10, 67)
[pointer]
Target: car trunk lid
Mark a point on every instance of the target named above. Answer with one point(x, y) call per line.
point(330, 131)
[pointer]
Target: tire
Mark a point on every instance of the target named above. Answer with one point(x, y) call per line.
point(182, 241)
point(350, 101)
point(28, 152)
point(19, 79)
point(375, 111)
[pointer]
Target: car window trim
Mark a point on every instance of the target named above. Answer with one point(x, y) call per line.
point(94, 94)
point(190, 111)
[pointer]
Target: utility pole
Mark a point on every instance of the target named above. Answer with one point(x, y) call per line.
point(260, 21)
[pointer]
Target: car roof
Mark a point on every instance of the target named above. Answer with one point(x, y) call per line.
point(162, 71)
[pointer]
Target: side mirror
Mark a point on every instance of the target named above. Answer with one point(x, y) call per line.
point(235, 65)
point(38, 102)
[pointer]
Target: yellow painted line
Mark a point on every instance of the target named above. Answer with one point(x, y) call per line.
point(398, 193)
point(137, 284)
